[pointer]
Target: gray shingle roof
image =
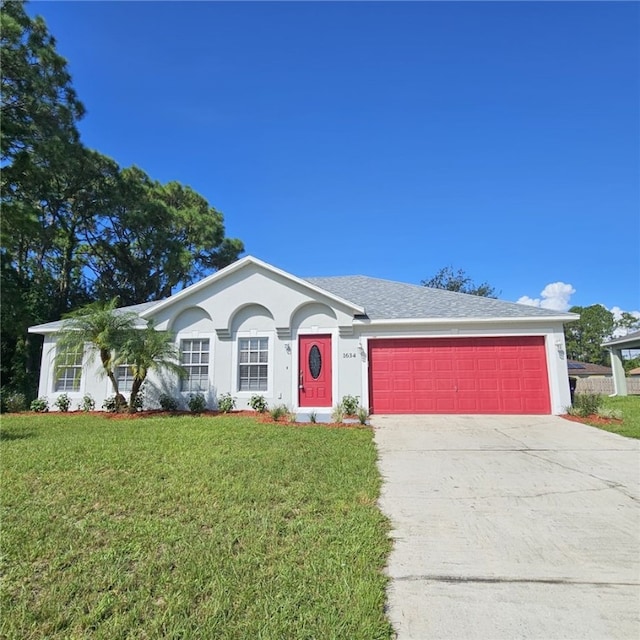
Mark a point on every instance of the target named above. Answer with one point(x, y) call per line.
point(577, 368)
point(388, 300)
point(57, 324)
point(630, 341)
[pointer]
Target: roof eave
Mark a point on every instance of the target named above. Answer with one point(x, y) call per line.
point(55, 327)
point(428, 321)
point(622, 344)
point(42, 330)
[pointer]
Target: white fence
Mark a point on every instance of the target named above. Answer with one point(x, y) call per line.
point(604, 386)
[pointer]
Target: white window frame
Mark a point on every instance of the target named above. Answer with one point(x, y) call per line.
point(125, 381)
point(271, 339)
point(253, 356)
point(186, 384)
point(61, 377)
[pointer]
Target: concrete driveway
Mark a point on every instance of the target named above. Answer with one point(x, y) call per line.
point(510, 527)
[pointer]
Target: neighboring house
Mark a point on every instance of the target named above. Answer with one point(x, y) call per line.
point(254, 329)
point(634, 372)
point(616, 346)
point(587, 370)
point(590, 377)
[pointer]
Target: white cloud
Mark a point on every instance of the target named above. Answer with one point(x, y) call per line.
point(617, 314)
point(554, 296)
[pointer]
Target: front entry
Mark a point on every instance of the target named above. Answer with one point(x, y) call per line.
point(314, 371)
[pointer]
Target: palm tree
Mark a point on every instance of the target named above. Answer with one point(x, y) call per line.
point(147, 349)
point(103, 330)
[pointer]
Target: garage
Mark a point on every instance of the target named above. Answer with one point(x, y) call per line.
point(496, 375)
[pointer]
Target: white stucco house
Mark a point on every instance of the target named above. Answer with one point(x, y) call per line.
point(252, 328)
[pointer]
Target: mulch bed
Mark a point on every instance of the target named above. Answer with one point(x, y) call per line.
point(593, 419)
point(263, 418)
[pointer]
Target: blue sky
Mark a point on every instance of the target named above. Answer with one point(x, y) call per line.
point(385, 139)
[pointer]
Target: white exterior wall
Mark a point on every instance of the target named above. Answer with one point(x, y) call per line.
point(254, 301)
point(91, 381)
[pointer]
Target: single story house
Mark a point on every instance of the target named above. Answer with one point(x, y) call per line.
point(588, 370)
point(616, 346)
point(588, 377)
point(252, 328)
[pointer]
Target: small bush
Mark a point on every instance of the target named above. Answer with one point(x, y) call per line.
point(115, 404)
point(63, 402)
point(110, 404)
point(350, 405)
point(168, 403)
point(138, 403)
point(586, 404)
point(610, 414)
point(197, 403)
point(363, 415)
point(87, 403)
point(15, 402)
point(337, 415)
point(258, 403)
point(279, 411)
point(226, 402)
point(40, 405)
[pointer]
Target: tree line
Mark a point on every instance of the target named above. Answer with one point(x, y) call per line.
point(76, 227)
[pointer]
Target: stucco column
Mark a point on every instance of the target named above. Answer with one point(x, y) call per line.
point(619, 379)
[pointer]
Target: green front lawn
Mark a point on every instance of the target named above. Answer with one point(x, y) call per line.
point(630, 407)
point(189, 527)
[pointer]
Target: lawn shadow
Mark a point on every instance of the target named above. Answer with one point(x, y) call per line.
point(6, 436)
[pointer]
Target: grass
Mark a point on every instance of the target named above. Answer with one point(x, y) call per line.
point(189, 527)
point(630, 407)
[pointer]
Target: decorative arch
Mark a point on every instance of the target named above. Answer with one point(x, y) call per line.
point(251, 316)
point(312, 313)
point(192, 319)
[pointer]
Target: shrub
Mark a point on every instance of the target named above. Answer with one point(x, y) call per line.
point(167, 402)
point(40, 405)
point(226, 402)
point(279, 411)
point(350, 405)
point(63, 402)
point(337, 415)
point(363, 415)
point(258, 403)
point(110, 404)
point(609, 413)
point(114, 404)
point(138, 403)
point(87, 403)
point(197, 403)
point(586, 404)
point(15, 402)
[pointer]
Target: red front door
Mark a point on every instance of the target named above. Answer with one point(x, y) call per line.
point(314, 371)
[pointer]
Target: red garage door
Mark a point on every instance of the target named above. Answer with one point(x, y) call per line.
point(458, 375)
